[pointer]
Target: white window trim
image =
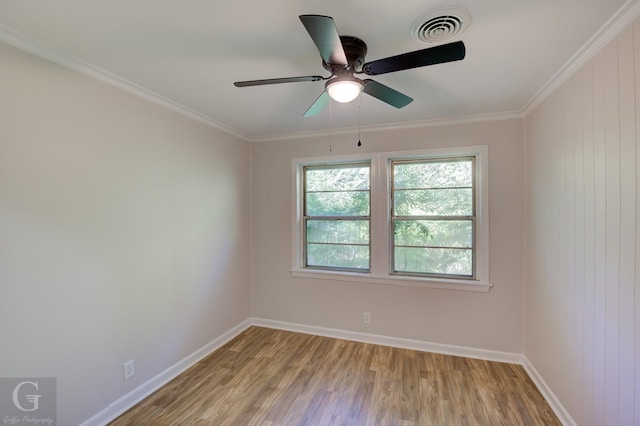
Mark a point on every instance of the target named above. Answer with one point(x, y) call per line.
point(380, 211)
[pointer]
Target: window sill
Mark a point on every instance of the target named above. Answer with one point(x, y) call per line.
point(448, 284)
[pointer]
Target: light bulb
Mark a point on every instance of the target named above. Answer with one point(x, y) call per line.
point(344, 90)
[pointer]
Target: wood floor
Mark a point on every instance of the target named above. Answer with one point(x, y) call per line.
point(273, 377)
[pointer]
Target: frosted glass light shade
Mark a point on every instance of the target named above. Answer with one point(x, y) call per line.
point(344, 90)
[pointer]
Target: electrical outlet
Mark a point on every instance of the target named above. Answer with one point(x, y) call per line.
point(128, 369)
point(366, 317)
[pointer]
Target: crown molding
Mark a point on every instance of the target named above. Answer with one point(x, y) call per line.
point(20, 41)
point(444, 121)
point(627, 13)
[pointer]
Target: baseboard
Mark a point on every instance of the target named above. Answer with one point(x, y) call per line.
point(548, 394)
point(419, 345)
point(127, 401)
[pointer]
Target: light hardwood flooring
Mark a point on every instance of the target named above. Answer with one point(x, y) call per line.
point(274, 377)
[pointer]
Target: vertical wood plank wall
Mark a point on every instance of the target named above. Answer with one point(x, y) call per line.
point(582, 302)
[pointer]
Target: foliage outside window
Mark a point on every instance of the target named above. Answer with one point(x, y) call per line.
point(337, 216)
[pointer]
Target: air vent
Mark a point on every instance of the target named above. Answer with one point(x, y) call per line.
point(440, 25)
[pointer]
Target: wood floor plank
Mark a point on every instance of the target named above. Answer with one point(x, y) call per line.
point(267, 377)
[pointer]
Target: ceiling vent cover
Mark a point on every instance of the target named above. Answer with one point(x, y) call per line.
point(441, 24)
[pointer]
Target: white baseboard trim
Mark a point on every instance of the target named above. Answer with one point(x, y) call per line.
point(121, 405)
point(127, 401)
point(548, 394)
point(419, 345)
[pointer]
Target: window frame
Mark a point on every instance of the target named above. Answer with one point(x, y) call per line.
point(306, 218)
point(380, 220)
point(394, 217)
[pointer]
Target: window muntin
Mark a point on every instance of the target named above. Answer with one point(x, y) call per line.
point(337, 222)
point(433, 217)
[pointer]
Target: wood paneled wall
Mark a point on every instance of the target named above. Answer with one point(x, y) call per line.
point(582, 303)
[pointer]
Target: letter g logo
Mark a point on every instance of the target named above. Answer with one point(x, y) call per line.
point(33, 399)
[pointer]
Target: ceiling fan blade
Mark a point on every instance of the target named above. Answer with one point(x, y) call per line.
point(430, 56)
point(386, 93)
point(277, 80)
point(324, 34)
point(318, 105)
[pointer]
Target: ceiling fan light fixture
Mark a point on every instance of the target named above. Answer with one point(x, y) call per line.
point(343, 89)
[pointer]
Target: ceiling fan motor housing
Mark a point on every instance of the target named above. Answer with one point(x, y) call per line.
point(355, 50)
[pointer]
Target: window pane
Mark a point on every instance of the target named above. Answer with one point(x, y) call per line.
point(433, 261)
point(338, 256)
point(434, 233)
point(441, 174)
point(337, 203)
point(338, 231)
point(343, 178)
point(433, 202)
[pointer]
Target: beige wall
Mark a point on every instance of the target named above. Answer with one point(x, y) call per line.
point(123, 233)
point(583, 293)
point(479, 320)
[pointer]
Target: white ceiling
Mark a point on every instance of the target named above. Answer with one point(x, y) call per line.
point(189, 53)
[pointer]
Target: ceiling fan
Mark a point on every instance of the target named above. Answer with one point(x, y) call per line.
point(343, 56)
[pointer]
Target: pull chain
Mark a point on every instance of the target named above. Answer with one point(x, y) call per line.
point(359, 143)
point(329, 126)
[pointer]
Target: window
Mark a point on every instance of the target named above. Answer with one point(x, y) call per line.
point(337, 216)
point(416, 218)
point(432, 217)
